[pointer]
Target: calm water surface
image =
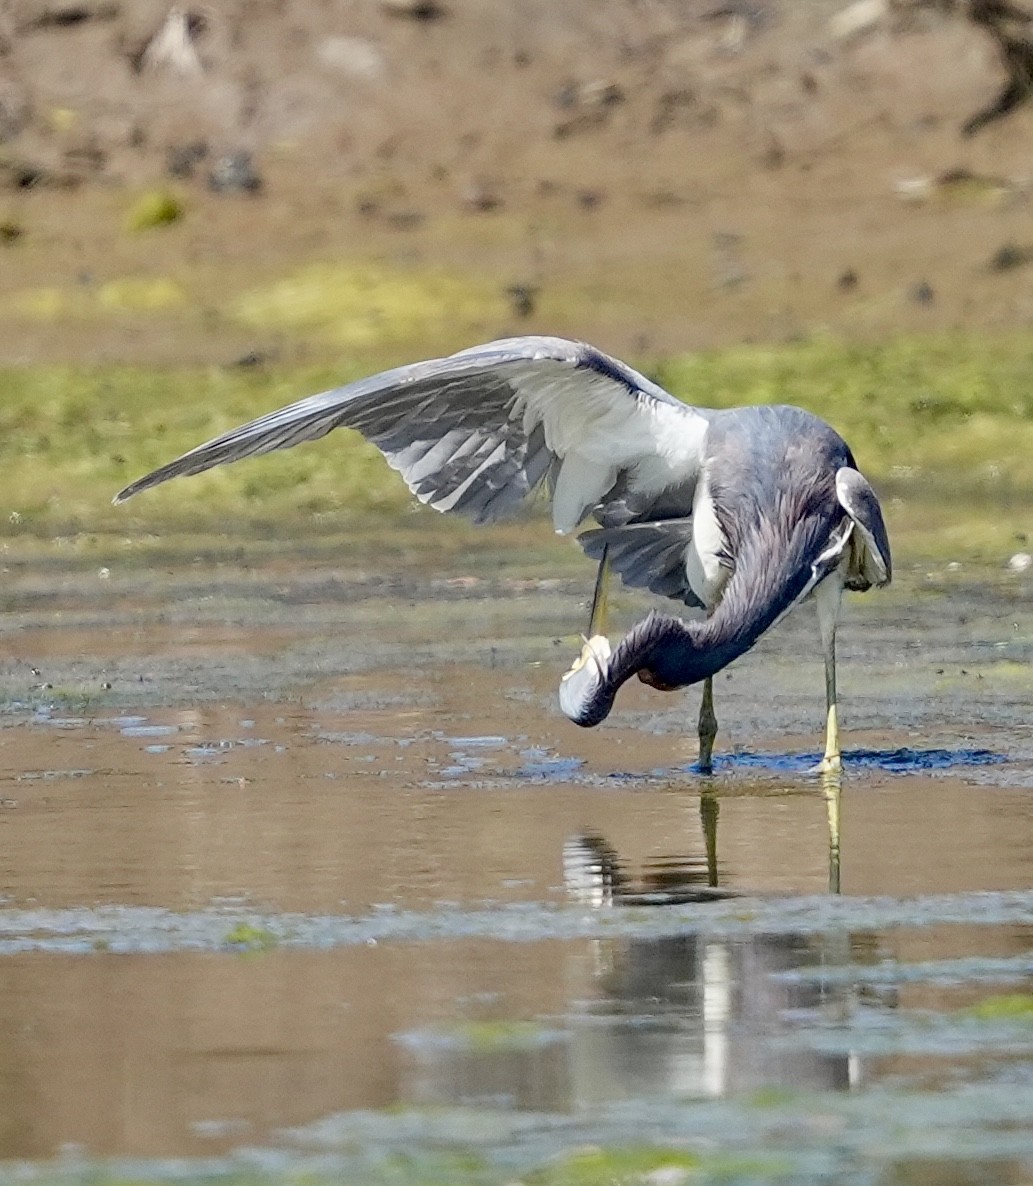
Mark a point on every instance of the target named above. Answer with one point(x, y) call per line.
point(300, 867)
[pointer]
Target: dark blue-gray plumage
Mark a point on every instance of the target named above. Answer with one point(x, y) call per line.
point(795, 517)
point(741, 513)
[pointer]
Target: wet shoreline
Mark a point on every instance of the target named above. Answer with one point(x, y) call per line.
point(304, 866)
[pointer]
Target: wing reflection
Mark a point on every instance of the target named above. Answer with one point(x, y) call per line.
point(674, 1017)
point(697, 1017)
point(688, 1015)
point(593, 876)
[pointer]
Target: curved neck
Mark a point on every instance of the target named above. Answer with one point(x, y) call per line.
point(771, 575)
point(677, 653)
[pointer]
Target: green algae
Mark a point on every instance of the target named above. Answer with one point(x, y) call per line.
point(247, 937)
point(1015, 1006)
point(943, 427)
point(364, 306)
point(952, 413)
point(492, 1037)
point(601, 1166)
point(158, 208)
point(124, 295)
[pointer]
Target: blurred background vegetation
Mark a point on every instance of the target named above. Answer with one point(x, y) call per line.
point(815, 202)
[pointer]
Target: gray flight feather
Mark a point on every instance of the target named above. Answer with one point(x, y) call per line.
point(647, 555)
point(457, 429)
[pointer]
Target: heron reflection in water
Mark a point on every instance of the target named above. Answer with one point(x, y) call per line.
point(741, 513)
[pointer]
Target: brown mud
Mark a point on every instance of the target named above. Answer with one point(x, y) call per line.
point(654, 177)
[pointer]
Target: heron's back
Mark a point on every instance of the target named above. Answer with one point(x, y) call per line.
point(771, 466)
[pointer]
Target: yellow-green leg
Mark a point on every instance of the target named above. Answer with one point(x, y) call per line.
point(598, 619)
point(707, 727)
point(828, 597)
point(832, 761)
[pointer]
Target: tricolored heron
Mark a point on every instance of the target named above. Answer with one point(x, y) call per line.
point(740, 513)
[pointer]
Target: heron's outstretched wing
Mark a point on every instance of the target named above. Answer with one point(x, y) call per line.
point(647, 555)
point(477, 431)
point(872, 563)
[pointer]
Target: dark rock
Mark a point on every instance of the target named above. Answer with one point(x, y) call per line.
point(65, 14)
point(15, 174)
point(414, 10)
point(590, 105)
point(922, 293)
point(566, 96)
point(774, 155)
point(584, 121)
point(14, 113)
point(182, 159)
point(1011, 28)
point(523, 298)
point(482, 198)
point(405, 220)
point(729, 271)
point(847, 281)
point(670, 108)
point(1010, 256)
point(10, 231)
point(253, 358)
point(661, 199)
point(234, 173)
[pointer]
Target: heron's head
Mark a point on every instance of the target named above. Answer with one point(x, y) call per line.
point(586, 696)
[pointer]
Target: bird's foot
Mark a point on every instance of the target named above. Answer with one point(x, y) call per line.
point(705, 762)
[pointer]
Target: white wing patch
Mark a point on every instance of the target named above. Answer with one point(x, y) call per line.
point(599, 429)
point(706, 574)
point(480, 430)
point(581, 483)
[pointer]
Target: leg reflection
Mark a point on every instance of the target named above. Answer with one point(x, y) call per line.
point(708, 810)
point(831, 785)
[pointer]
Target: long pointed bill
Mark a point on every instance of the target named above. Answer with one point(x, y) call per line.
point(598, 618)
point(579, 686)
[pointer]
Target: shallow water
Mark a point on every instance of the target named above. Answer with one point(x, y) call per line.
point(304, 874)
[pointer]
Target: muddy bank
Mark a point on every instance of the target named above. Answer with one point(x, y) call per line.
point(655, 179)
